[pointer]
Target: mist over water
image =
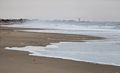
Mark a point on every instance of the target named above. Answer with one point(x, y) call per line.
point(87, 9)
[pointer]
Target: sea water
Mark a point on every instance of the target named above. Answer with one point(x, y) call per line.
point(106, 51)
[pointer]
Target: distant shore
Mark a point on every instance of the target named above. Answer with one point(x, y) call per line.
point(21, 62)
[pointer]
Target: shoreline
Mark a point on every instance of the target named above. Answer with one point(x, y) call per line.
point(21, 62)
point(68, 59)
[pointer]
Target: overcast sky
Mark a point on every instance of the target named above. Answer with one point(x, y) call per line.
point(86, 9)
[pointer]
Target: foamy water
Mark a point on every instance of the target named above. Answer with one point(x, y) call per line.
point(105, 51)
point(100, 52)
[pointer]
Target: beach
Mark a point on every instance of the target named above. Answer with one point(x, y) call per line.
point(21, 62)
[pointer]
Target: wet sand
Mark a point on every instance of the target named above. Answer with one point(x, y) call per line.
point(21, 62)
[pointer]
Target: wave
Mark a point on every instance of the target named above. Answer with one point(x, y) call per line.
point(71, 26)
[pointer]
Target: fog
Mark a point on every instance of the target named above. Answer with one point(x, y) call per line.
point(61, 9)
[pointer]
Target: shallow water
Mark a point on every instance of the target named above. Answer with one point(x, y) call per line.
point(99, 52)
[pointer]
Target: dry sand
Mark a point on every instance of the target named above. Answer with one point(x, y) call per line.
point(21, 62)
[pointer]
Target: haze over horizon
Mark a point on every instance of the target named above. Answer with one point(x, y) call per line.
point(97, 10)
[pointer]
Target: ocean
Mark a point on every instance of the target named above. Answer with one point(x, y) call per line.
point(106, 51)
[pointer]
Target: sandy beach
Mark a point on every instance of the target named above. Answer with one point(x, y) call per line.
point(21, 62)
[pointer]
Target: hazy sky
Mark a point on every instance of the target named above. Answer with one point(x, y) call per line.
point(86, 9)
